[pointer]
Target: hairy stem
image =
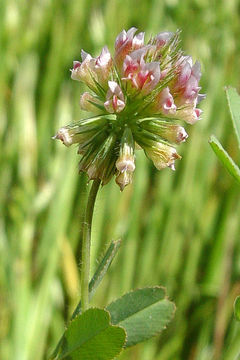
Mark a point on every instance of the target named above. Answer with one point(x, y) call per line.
point(85, 270)
point(86, 242)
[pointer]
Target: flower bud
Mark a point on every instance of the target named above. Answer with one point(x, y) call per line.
point(102, 67)
point(123, 179)
point(162, 155)
point(81, 131)
point(64, 135)
point(125, 43)
point(189, 113)
point(115, 99)
point(173, 133)
point(124, 40)
point(186, 84)
point(80, 71)
point(142, 77)
point(184, 71)
point(138, 41)
point(93, 71)
point(125, 161)
point(163, 103)
point(191, 89)
point(162, 38)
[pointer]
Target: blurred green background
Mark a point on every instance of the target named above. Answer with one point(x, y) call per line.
point(180, 230)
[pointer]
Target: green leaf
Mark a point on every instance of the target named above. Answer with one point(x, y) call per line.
point(103, 266)
point(100, 272)
point(143, 313)
point(237, 308)
point(233, 99)
point(225, 159)
point(90, 336)
point(96, 280)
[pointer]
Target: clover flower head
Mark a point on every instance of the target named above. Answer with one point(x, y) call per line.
point(138, 98)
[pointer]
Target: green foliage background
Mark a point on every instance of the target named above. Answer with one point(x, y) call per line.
point(180, 230)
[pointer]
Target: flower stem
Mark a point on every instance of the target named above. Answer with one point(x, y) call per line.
point(86, 242)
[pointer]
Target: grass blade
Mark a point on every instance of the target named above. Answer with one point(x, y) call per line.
point(225, 159)
point(233, 99)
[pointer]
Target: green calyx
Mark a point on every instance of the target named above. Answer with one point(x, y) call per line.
point(106, 144)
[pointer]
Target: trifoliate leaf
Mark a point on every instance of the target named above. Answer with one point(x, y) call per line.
point(90, 336)
point(143, 313)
